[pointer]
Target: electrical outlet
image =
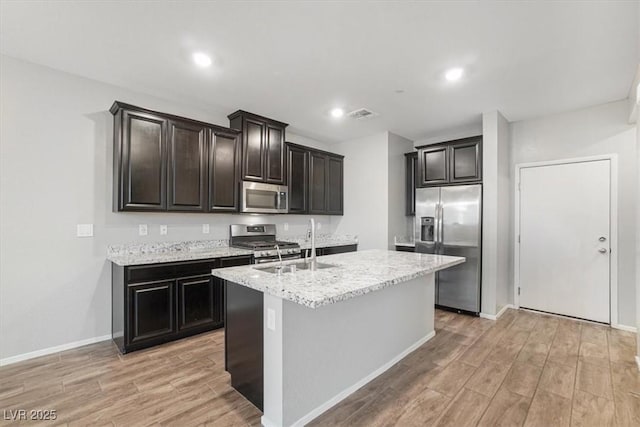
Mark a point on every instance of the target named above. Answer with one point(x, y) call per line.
point(286, 226)
point(319, 225)
point(205, 228)
point(163, 230)
point(142, 229)
point(84, 230)
point(271, 319)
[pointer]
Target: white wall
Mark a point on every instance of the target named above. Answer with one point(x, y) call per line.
point(55, 172)
point(497, 262)
point(601, 129)
point(399, 224)
point(365, 190)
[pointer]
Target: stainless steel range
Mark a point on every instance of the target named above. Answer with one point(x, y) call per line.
point(261, 238)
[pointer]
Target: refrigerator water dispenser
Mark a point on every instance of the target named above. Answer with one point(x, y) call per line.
point(426, 229)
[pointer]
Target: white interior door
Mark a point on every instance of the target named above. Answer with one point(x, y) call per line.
point(564, 239)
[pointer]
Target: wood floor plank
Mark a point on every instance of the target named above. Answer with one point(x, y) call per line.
point(487, 378)
point(522, 378)
point(592, 411)
point(594, 379)
point(627, 406)
point(548, 409)
point(625, 377)
point(451, 380)
point(594, 353)
point(558, 379)
point(506, 409)
point(465, 410)
point(424, 410)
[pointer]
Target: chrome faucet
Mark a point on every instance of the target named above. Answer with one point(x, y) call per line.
point(311, 233)
point(280, 268)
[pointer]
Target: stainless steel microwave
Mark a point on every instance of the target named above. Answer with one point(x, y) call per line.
point(258, 197)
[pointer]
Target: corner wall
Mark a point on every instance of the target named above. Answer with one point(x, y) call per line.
point(497, 214)
point(366, 176)
point(400, 224)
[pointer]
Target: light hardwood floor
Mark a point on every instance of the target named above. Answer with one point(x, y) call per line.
point(525, 369)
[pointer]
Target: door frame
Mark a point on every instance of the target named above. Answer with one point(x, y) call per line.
point(613, 224)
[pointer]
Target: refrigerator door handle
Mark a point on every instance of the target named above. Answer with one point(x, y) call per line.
point(438, 225)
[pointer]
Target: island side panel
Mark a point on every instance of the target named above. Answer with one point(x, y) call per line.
point(331, 351)
point(244, 341)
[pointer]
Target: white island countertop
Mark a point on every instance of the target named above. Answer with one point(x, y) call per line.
point(354, 274)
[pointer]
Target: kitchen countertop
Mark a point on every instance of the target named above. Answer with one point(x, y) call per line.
point(354, 274)
point(161, 252)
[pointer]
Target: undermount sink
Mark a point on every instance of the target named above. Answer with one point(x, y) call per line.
point(287, 268)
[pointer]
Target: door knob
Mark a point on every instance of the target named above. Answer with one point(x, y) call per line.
point(602, 250)
point(602, 239)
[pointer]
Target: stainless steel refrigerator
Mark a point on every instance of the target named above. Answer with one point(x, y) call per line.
point(449, 222)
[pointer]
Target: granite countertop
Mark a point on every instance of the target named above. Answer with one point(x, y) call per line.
point(160, 252)
point(355, 274)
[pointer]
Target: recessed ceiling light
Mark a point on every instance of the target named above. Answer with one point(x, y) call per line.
point(337, 113)
point(454, 74)
point(201, 59)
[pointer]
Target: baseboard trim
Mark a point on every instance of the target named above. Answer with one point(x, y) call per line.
point(51, 350)
point(346, 392)
point(625, 328)
point(496, 316)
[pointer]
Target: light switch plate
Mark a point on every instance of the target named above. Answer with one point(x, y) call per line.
point(271, 319)
point(205, 228)
point(142, 229)
point(84, 230)
point(286, 226)
point(163, 230)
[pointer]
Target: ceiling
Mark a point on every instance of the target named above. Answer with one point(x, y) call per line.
point(294, 61)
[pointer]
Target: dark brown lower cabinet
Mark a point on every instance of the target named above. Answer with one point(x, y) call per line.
point(197, 302)
point(155, 303)
point(151, 311)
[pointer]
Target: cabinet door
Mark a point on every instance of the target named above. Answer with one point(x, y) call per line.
point(334, 185)
point(298, 179)
point(433, 164)
point(317, 183)
point(197, 298)
point(187, 167)
point(466, 161)
point(223, 177)
point(410, 183)
point(253, 148)
point(151, 311)
point(275, 154)
point(143, 162)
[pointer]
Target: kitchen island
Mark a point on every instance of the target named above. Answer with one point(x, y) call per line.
point(298, 342)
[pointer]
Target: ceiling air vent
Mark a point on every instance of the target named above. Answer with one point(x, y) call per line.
point(361, 113)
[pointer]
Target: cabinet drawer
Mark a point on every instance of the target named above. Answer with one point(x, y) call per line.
point(235, 261)
point(146, 273)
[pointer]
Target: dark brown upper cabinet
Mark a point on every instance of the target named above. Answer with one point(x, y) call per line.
point(164, 162)
point(435, 166)
point(411, 160)
point(298, 178)
point(224, 176)
point(140, 161)
point(187, 184)
point(263, 152)
point(466, 160)
point(335, 184)
point(451, 162)
point(316, 181)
